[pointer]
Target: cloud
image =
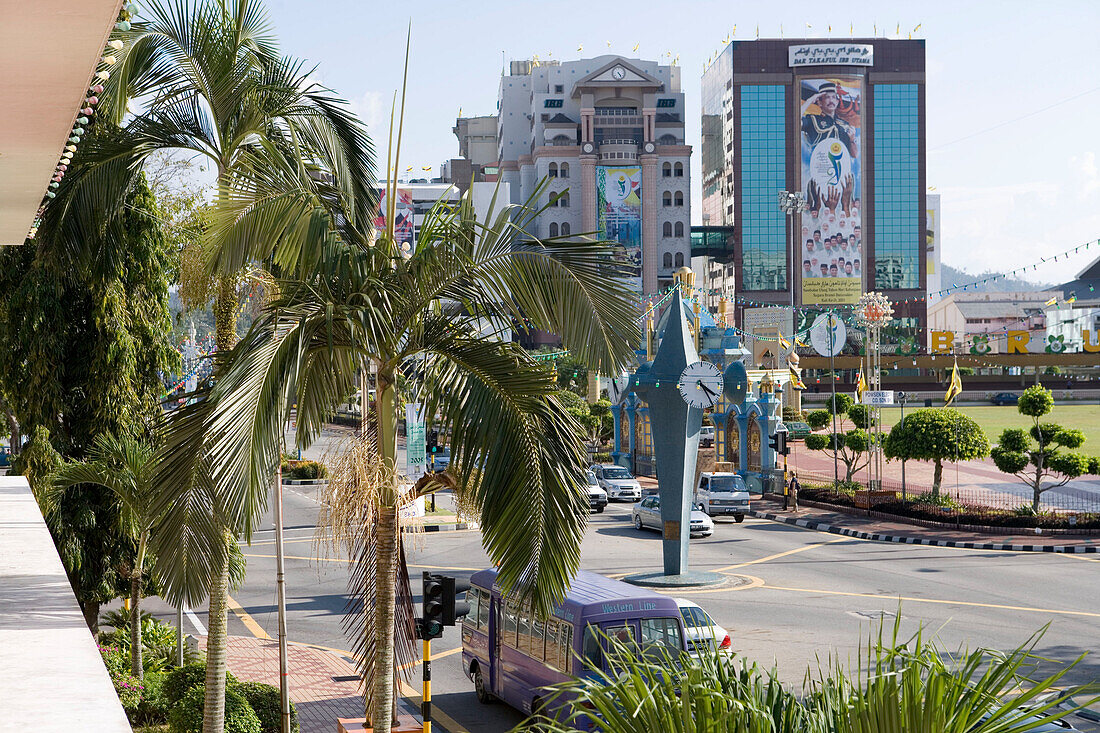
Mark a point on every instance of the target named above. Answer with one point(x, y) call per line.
point(373, 108)
point(1090, 174)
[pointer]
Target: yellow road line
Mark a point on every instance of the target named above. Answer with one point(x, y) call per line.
point(935, 600)
point(435, 656)
point(246, 619)
point(1075, 556)
point(778, 555)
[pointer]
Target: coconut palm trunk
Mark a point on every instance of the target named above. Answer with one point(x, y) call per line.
point(136, 665)
point(213, 711)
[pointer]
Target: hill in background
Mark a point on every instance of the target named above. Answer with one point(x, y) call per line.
point(952, 276)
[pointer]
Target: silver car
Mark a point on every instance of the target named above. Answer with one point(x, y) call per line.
point(646, 514)
point(617, 482)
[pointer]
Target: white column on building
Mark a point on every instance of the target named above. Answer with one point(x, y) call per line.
point(649, 223)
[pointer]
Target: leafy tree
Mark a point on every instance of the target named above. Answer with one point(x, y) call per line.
point(212, 84)
point(601, 410)
point(83, 342)
point(1048, 462)
point(572, 375)
point(937, 434)
point(850, 448)
point(817, 419)
point(580, 411)
point(839, 404)
point(124, 467)
point(517, 458)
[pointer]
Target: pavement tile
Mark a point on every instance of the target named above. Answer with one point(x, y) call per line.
point(314, 678)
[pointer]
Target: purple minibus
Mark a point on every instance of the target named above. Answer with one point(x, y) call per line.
point(510, 654)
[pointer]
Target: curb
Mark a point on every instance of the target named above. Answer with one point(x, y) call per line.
point(451, 527)
point(910, 540)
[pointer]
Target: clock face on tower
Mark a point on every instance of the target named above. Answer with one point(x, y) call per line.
point(701, 384)
point(618, 72)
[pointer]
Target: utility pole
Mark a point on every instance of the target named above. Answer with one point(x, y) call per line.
point(280, 586)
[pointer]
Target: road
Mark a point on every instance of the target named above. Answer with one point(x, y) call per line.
point(813, 595)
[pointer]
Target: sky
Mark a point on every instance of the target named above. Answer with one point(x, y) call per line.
point(1013, 99)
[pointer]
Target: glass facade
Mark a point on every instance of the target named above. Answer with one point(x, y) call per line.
point(716, 148)
point(763, 175)
point(897, 190)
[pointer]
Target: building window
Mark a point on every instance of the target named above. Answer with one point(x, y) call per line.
point(679, 169)
point(667, 260)
point(666, 230)
point(552, 171)
point(559, 88)
point(553, 230)
point(562, 140)
point(763, 172)
point(563, 200)
point(679, 229)
point(666, 198)
point(565, 229)
point(667, 140)
point(564, 168)
point(896, 190)
point(679, 198)
point(679, 259)
point(666, 170)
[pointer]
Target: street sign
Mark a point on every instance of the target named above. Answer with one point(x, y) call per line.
point(884, 397)
point(416, 458)
point(827, 335)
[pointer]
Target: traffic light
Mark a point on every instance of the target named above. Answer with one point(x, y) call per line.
point(441, 607)
point(778, 442)
point(431, 442)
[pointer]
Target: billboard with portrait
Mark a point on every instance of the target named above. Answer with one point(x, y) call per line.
point(619, 207)
point(831, 244)
point(403, 213)
point(932, 243)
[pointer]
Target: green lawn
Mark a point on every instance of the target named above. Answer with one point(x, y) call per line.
point(995, 419)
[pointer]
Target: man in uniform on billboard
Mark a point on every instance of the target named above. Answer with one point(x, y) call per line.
point(825, 126)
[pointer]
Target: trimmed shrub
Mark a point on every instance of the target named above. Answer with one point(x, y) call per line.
point(154, 707)
point(180, 680)
point(186, 715)
point(601, 458)
point(304, 470)
point(265, 701)
point(817, 419)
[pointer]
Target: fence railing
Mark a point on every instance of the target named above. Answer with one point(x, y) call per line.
point(996, 498)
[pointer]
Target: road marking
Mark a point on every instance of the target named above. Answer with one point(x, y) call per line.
point(1075, 556)
point(435, 656)
point(778, 555)
point(249, 622)
point(754, 582)
point(936, 600)
point(438, 716)
point(195, 621)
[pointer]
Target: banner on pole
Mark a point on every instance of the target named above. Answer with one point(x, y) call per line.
point(416, 456)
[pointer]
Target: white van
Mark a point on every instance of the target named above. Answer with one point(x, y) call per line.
point(722, 494)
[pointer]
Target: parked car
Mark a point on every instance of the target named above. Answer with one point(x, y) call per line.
point(597, 497)
point(617, 482)
point(1005, 398)
point(440, 461)
point(706, 436)
point(722, 494)
point(646, 514)
point(797, 430)
point(701, 629)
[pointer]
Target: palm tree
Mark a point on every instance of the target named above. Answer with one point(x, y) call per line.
point(124, 465)
point(416, 320)
point(208, 81)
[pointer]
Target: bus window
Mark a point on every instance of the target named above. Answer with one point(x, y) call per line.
point(538, 640)
point(508, 635)
point(473, 597)
point(526, 642)
point(591, 652)
point(660, 636)
point(483, 611)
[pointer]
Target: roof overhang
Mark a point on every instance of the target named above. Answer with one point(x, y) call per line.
point(49, 52)
point(602, 79)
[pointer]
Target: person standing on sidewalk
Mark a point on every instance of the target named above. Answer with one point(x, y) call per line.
point(791, 494)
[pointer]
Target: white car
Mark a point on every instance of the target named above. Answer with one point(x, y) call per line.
point(597, 497)
point(617, 482)
point(646, 514)
point(701, 629)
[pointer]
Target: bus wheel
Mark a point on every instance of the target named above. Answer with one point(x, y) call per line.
point(483, 696)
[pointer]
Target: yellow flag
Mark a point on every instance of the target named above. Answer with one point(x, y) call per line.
point(580, 47)
point(955, 388)
point(897, 31)
point(796, 380)
point(861, 386)
point(918, 27)
point(734, 31)
point(425, 167)
point(635, 49)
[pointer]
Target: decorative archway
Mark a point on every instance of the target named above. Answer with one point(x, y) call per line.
point(733, 440)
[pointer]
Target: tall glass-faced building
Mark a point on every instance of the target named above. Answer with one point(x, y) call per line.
point(844, 124)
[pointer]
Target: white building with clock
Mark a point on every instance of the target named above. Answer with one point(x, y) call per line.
point(608, 135)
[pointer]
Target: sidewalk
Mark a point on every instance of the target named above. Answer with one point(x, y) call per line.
point(873, 528)
point(323, 685)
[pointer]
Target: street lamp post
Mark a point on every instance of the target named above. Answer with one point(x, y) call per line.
point(901, 401)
